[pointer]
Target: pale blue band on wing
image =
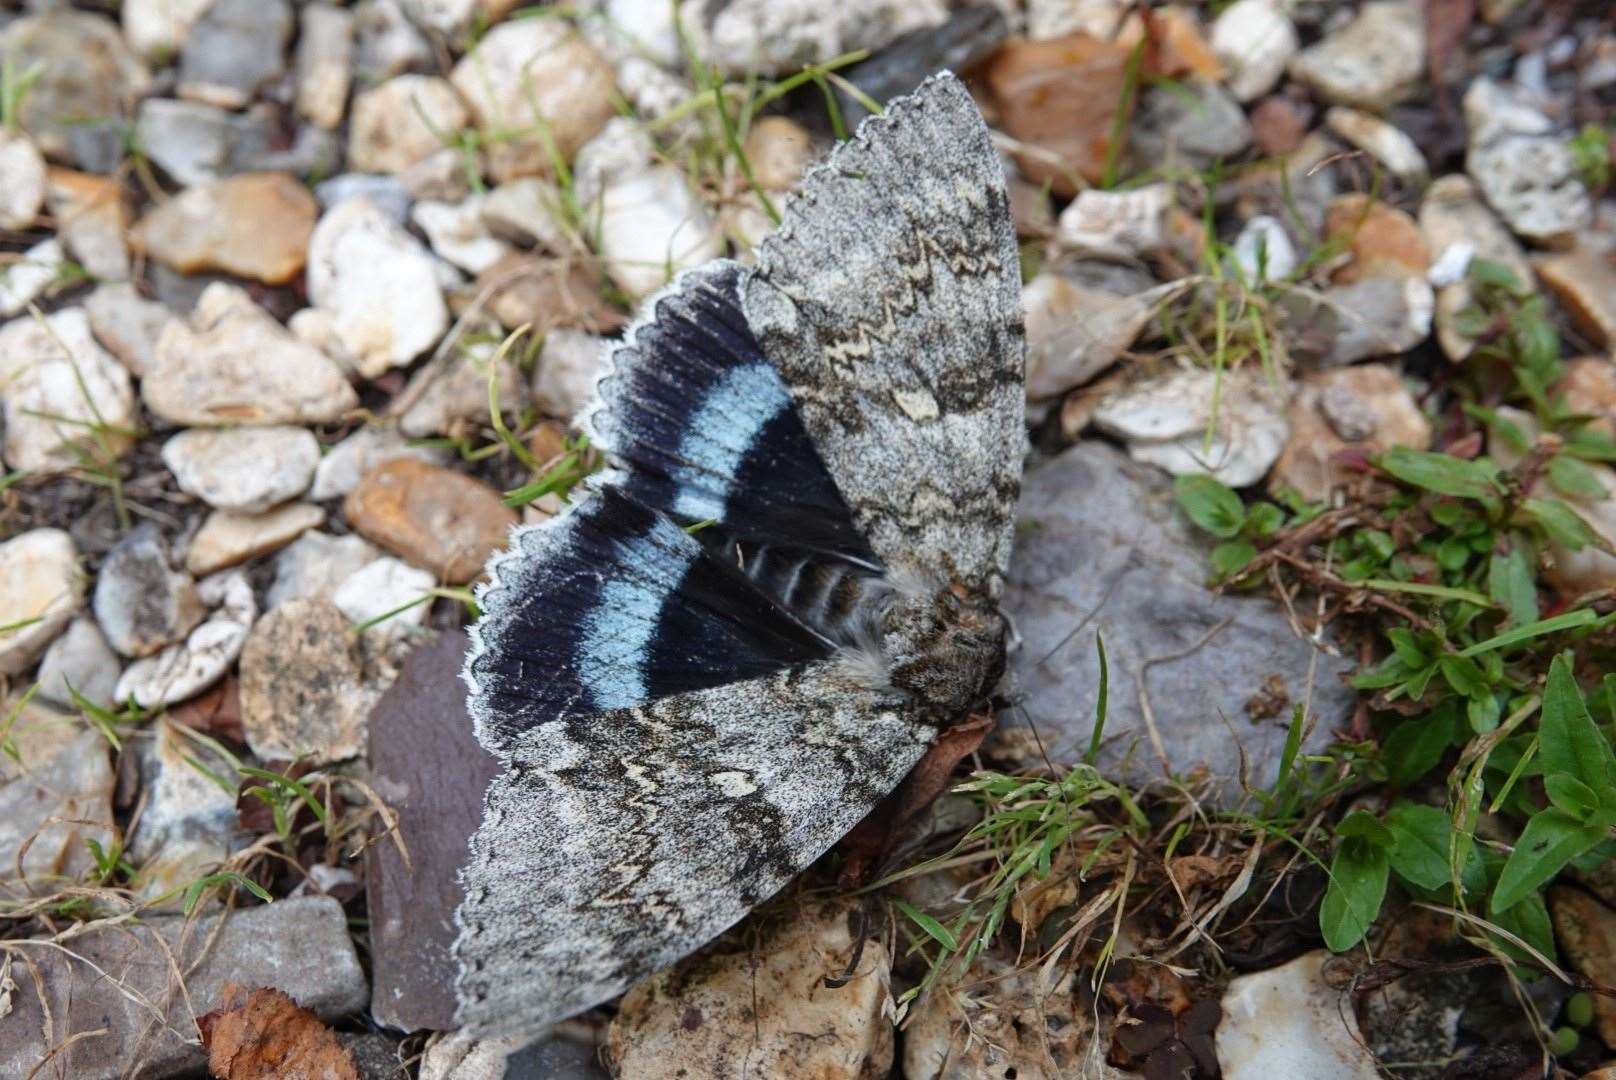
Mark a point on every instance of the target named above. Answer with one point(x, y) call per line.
point(616, 639)
point(721, 432)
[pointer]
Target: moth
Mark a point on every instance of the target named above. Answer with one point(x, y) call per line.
point(749, 629)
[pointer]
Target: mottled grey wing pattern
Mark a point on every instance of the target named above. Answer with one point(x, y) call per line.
point(890, 300)
point(619, 842)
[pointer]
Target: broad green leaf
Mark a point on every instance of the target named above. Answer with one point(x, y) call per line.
point(1453, 553)
point(1571, 795)
point(1407, 648)
point(1528, 920)
point(1570, 743)
point(1420, 856)
point(1264, 519)
point(1574, 478)
point(1414, 746)
point(1232, 556)
point(1551, 839)
point(1357, 888)
point(1463, 675)
point(1211, 505)
point(1511, 585)
point(1363, 825)
point(1441, 473)
point(1483, 713)
point(1562, 524)
point(1488, 273)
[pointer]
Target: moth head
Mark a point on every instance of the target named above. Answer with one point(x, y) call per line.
point(946, 647)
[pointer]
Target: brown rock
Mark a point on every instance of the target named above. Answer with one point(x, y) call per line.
point(256, 225)
point(91, 220)
point(546, 294)
point(1382, 240)
point(302, 684)
point(435, 518)
point(229, 537)
point(1584, 280)
point(1589, 386)
point(1365, 409)
point(1278, 125)
point(779, 149)
point(1586, 932)
point(50, 811)
point(1060, 97)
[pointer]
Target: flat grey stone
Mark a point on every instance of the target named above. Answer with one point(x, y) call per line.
point(298, 946)
point(1102, 548)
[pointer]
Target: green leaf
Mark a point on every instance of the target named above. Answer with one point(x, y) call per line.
point(1413, 747)
point(1407, 647)
point(1562, 524)
point(1574, 478)
point(1463, 675)
point(1363, 825)
point(934, 929)
point(1528, 920)
point(1422, 833)
point(1420, 588)
point(1487, 273)
point(1551, 839)
point(1211, 505)
point(1568, 793)
point(1264, 519)
point(1441, 473)
point(1358, 876)
point(1511, 585)
point(1483, 713)
point(1232, 556)
point(1569, 742)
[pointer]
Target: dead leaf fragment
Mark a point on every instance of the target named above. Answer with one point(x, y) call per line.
point(263, 1034)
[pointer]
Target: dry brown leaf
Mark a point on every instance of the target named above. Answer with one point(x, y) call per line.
point(263, 1034)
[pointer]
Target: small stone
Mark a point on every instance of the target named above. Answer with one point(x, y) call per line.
point(1122, 224)
point(454, 17)
point(386, 43)
point(382, 586)
point(369, 448)
point(1588, 384)
point(1366, 409)
point(1387, 144)
point(564, 377)
point(457, 233)
point(446, 396)
point(1584, 281)
point(91, 221)
point(233, 363)
point(529, 210)
point(246, 469)
point(435, 518)
point(302, 691)
point(187, 822)
point(88, 83)
point(324, 61)
point(1373, 63)
point(970, 35)
point(1264, 250)
point(544, 294)
point(1165, 421)
point(384, 192)
point(444, 176)
point(26, 278)
point(126, 324)
point(1057, 18)
point(1378, 316)
point(156, 29)
point(1288, 1021)
point(1059, 96)
point(141, 601)
point(1255, 40)
point(723, 1013)
point(254, 226)
point(315, 564)
point(187, 668)
point(780, 150)
point(1451, 213)
point(1529, 175)
point(650, 223)
point(63, 395)
point(235, 48)
point(1380, 240)
point(229, 537)
point(1279, 125)
point(1192, 125)
point(41, 588)
point(405, 119)
point(1450, 267)
point(48, 817)
point(529, 72)
point(379, 284)
point(1074, 332)
point(778, 37)
point(192, 142)
point(299, 945)
point(22, 181)
point(463, 1057)
point(81, 662)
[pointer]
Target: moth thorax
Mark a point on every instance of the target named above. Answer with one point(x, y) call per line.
point(945, 649)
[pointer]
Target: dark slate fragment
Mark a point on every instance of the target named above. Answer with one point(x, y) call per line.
point(968, 36)
point(430, 769)
point(1101, 547)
